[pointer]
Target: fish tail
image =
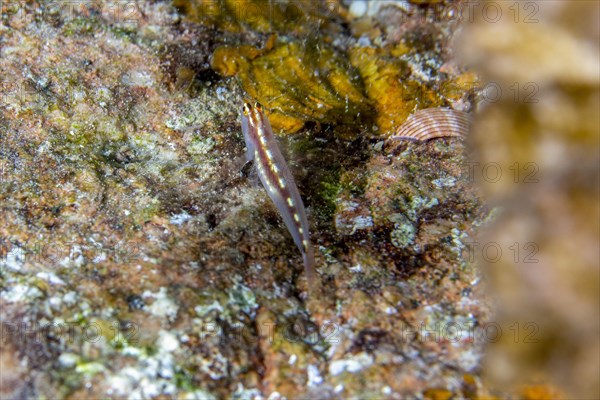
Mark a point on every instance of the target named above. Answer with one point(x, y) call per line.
point(309, 267)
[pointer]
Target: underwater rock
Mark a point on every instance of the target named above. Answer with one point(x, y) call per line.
point(137, 260)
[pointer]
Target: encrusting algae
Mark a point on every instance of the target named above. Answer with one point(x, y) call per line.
point(302, 73)
point(309, 80)
point(298, 81)
point(296, 17)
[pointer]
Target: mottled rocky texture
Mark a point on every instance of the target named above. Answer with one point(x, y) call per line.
point(137, 260)
point(542, 133)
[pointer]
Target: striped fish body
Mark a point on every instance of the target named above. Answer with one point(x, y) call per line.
point(275, 176)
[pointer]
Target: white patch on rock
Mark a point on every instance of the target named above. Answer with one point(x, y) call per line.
point(68, 360)
point(50, 278)
point(70, 298)
point(138, 78)
point(14, 259)
point(292, 359)
point(179, 219)
point(362, 222)
point(203, 310)
point(358, 8)
point(275, 396)
point(163, 306)
point(20, 292)
point(390, 310)
point(444, 182)
point(352, 365)
point(152, 376)
point(356, 268)
point(167, 341)
point(314, 378)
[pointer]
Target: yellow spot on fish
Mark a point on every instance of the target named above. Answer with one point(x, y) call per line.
point(290, 202)
point(269, 154)
point(296, 217)
point(282, 183)
point(301, 231)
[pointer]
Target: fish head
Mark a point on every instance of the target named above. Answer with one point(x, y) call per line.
point(254, 124)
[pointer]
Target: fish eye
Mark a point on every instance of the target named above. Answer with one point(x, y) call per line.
point(247, 108)
point(258, 106)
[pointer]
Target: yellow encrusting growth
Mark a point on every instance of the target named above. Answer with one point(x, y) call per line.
point(288, 79)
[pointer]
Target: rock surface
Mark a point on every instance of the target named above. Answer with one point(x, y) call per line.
point(137, 261)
